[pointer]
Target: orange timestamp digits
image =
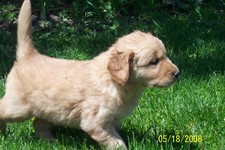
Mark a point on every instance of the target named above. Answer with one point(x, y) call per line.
point(180, 138)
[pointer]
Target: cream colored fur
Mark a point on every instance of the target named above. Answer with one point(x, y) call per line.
point(92, 95)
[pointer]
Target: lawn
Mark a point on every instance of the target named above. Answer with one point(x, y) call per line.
point(190, 114)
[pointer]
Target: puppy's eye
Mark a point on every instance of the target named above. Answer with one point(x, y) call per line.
point(154, 62)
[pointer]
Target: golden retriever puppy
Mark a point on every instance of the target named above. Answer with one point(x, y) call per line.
point(92, 95)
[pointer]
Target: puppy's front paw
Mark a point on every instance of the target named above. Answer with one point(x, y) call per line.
point(117, 145)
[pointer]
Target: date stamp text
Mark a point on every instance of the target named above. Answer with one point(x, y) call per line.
point(180, 138)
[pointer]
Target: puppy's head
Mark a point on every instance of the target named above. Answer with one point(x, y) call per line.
point(140, 58)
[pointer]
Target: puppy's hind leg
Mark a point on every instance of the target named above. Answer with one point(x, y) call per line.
point(13, 110)
point(2, 122)
point(43, 129)
point(2, 127)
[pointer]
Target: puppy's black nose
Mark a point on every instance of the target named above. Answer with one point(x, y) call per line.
point(176, 74)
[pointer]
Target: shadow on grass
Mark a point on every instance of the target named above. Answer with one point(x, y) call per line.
point(70, 137)
point(197, 43)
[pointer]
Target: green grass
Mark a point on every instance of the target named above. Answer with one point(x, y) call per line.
point(193, 107)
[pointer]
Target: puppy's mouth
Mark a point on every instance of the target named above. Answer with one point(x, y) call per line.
point(162, 83)
point(167, 80)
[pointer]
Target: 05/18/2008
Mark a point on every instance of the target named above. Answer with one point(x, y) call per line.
point(180, 138)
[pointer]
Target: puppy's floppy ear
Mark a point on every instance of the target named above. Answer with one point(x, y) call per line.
point(119, 65)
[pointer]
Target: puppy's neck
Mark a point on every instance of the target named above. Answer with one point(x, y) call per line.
point(131, 91)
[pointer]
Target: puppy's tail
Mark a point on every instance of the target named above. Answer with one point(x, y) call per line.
point(25, 46)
